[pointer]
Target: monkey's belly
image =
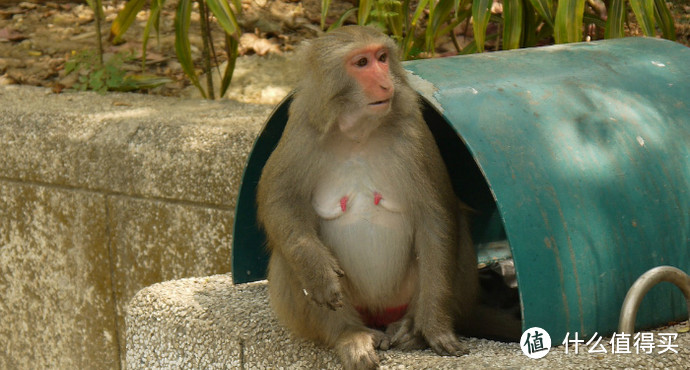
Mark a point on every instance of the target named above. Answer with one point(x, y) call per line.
point(372, 241)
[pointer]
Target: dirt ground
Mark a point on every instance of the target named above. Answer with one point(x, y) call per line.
point(38, 37)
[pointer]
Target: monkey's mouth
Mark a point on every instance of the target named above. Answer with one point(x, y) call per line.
point(379, 103)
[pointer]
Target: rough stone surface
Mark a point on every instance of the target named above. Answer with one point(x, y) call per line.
point(130, 144)
point(100, 196)
point(154, 241)
point(212, 324)
point(56, 306)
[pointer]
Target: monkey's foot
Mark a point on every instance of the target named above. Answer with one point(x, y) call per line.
point(403, 335)
point(406, 337)
point(447, 344)
point(356, 349)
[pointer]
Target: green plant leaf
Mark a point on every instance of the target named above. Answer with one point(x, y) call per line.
point(530, 23)
point(182, 46)
point(96, 80)
point(138, 82)
point(569, 21)
point(125, 18)
point(418, 12)
point(153, 21)
point(325, 5)
point(481, 14)
point(472, 48)
point(644, 13)
point(225, 16)
point(365, 7)
point(665, 20)
point(232, 50)
point(512, 23)
point(543, 7)
point(342, 19)
point(615, 20)
point(438, 14)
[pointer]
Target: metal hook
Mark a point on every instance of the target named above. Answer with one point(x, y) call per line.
point(642, 285)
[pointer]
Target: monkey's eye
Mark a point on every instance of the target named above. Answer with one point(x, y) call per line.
point(361, 62)
point(383, 57)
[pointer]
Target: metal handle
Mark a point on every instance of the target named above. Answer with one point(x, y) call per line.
point(642, 285)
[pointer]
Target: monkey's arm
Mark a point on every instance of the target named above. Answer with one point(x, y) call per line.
point(291, 227)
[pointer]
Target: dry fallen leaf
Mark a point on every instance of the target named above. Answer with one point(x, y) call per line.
point(10, 35)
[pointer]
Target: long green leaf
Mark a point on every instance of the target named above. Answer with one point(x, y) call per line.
point(138, 82)
point(615, 20)
point(462, 16)
point(512, 24)
point(182, 47)
point(481, 14)
point(438, 14)
point(543, 7)
point(238, 6)
point(325, 5)
point(232, 49)
point(342, 19)
point(644, 13)
point(125, 18)
point(569, 21)
point(364, 11)
point(418, 12)
point(441, 13)
point(665, 20)
point(153, 21)
point(225, 15)
point(529, 30)
point(472, 48)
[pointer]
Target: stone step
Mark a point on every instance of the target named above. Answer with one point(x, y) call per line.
point(210, 323)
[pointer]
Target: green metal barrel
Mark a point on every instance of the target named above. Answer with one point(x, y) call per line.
point(578, 155)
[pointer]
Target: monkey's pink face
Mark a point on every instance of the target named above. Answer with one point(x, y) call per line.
point(369, 67)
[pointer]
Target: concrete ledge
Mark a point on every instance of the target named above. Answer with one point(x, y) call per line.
point(101, 196)
point(209, 323)
point(138, 145)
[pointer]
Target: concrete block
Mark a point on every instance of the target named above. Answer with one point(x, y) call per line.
point(148, 146)
point(212, 324)
point(56, 306)
point(154, 241)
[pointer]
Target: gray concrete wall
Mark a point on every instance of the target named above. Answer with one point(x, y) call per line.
point(101, 196)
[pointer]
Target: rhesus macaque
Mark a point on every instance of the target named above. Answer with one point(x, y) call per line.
point(359, 211)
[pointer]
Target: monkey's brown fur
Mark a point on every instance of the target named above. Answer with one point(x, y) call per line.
point(310, 290)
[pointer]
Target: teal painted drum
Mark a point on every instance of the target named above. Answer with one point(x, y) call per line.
point(577, 155)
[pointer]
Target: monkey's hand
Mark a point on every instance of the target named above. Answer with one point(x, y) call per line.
point(443, 341)
point(323, 286)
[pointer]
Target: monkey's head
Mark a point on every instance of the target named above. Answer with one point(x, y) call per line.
point(350, 74)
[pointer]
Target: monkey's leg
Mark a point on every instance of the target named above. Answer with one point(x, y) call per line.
point(341, 329)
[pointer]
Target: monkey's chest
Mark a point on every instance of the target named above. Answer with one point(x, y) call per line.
point(366, 223)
